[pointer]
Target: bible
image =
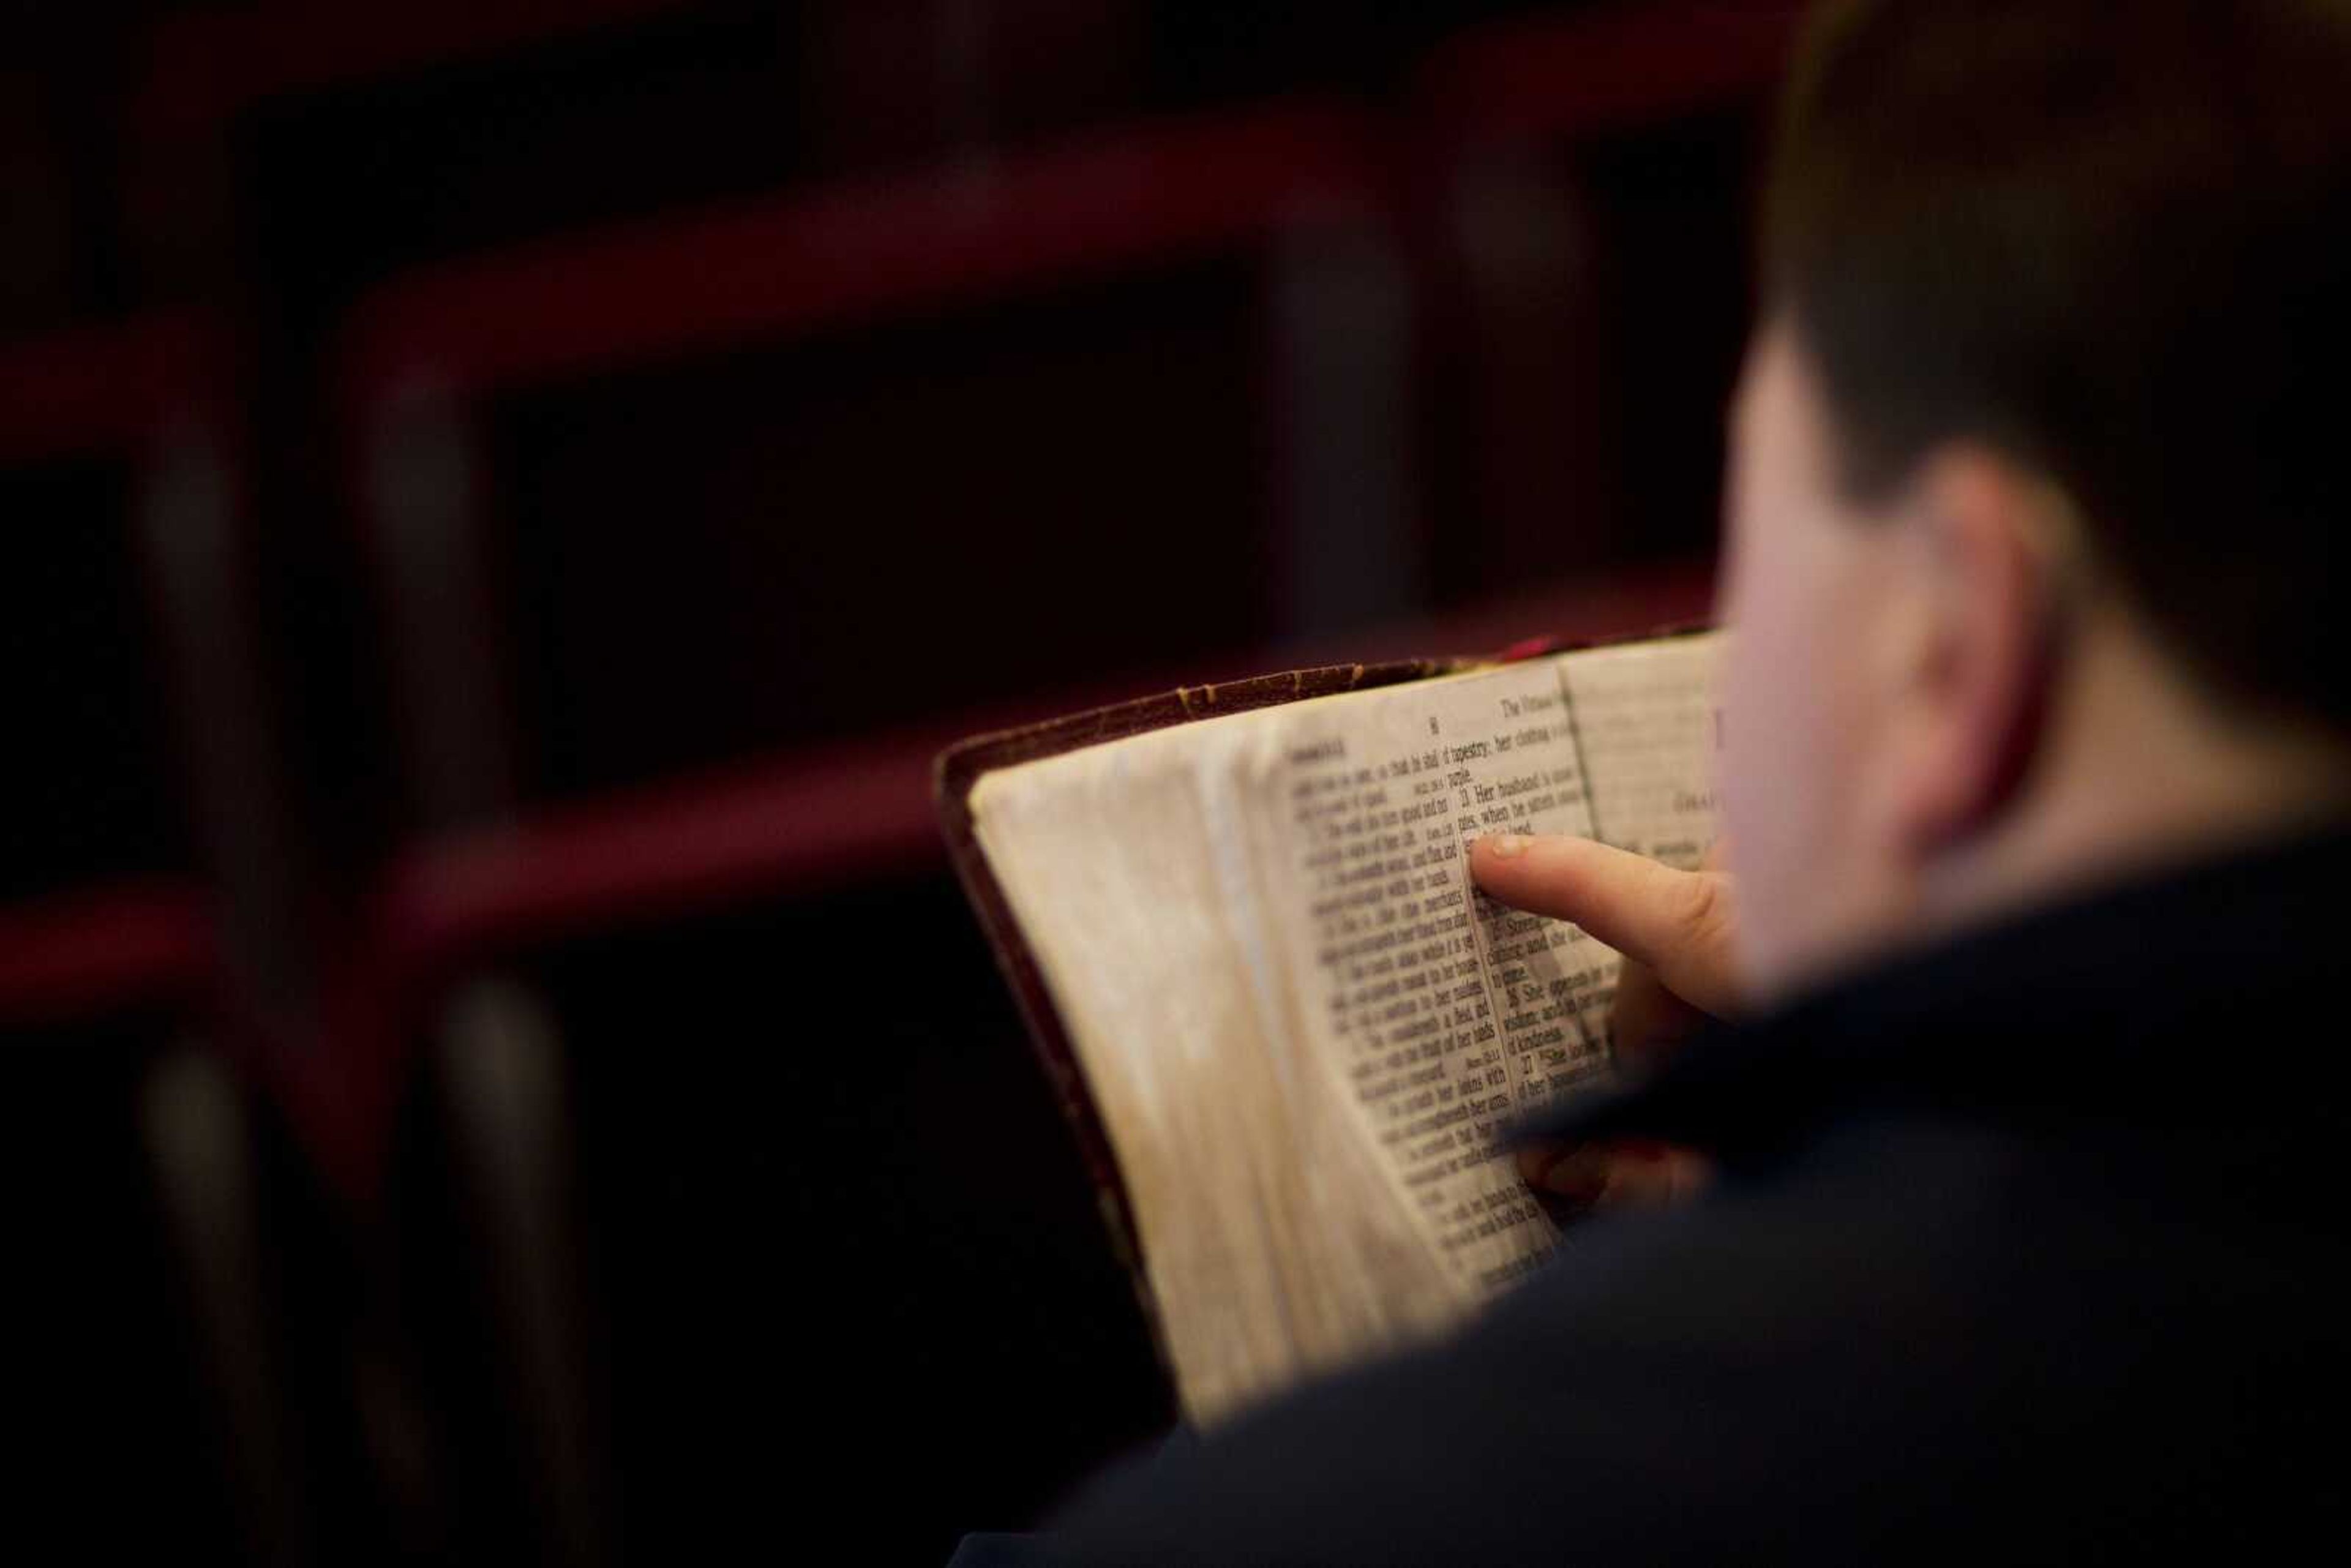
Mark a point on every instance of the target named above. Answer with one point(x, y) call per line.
point(1290, 1033)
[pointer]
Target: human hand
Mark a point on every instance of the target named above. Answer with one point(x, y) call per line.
point(1675, 929)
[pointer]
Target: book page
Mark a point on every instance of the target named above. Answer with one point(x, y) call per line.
point(1441, 1014)
point(1142, 875)
point(1646, 721)
point(1305, 1031)
point(1448, 1014)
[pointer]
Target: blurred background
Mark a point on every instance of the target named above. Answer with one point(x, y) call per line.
point(502, 503)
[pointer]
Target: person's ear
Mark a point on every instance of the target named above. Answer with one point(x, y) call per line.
point(1968, 664)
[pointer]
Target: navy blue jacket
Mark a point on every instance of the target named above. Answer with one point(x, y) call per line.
point(2030, 1248)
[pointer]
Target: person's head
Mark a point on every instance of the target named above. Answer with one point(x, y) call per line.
point(2036, 468)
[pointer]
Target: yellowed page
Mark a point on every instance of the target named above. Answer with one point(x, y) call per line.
point(1304, 1029)
point(1646, 720)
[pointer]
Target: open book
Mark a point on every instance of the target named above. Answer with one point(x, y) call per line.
point(1291, 1032)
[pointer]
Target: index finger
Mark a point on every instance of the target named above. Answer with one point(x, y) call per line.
point(1677, 922)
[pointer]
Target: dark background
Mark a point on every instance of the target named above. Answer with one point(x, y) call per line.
point(501, 503)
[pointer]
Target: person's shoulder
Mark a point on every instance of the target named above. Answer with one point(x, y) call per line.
point(1659, 1362)
point(1804, 1361)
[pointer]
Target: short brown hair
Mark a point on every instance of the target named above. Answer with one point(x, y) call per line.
point(2113, 241)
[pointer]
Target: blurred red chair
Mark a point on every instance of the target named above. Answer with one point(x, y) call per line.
point(170, 1373)
point(1587, 177)
point(825, 479)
